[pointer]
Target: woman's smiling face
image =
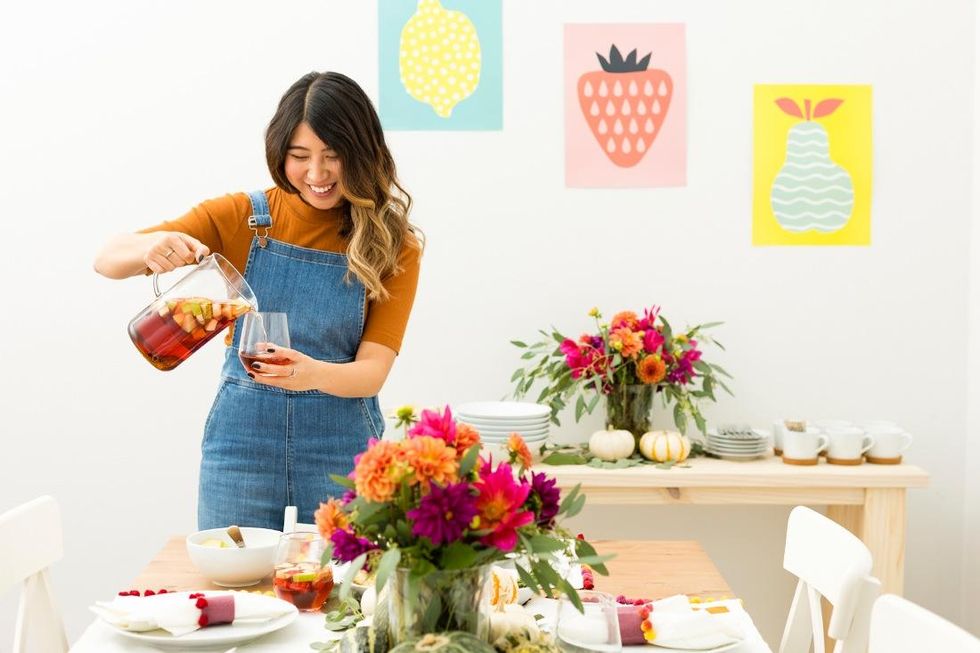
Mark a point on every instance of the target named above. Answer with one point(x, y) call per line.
point(313, 168)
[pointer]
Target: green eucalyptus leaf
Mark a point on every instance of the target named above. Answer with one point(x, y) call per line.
point(355, 566)
point(389, 561)
point(572, 594)
point(564, 459)
point(342, 481)
point(518, 343)
point(469, 460)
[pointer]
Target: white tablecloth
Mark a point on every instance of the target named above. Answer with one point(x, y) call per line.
point(297, 636)
point(308, 628)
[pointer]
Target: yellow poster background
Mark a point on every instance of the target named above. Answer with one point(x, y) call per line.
point(849, 133)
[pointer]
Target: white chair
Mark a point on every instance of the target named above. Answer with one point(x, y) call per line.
point(290, 525)
point(900, 626)
point(832, 563)
point(32, 541)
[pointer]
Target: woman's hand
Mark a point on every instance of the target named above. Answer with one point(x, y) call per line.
point(293, 370)
point(172, 249)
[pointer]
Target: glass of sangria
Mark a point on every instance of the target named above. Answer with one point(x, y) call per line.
point(260, 331)
point(191, 312)
point(301, 577)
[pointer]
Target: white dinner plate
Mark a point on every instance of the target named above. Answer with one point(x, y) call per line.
point(754, 444)
point(505, 425)
point(506, 433)
point(757, 434)
point(735, 456)
point(654, 647)
point(212, 636)
point(506, 410)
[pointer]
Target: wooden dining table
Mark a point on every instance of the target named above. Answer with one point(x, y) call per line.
point(649, 569)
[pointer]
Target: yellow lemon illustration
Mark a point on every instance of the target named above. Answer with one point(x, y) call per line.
point(439, 57)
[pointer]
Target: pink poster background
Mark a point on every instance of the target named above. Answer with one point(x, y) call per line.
point(665, 164)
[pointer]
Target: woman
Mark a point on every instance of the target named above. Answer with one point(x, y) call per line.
point(331, 246)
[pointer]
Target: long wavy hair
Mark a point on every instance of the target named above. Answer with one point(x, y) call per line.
point(376, 215)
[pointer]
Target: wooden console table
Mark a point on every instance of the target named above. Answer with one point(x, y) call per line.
point(869, 500)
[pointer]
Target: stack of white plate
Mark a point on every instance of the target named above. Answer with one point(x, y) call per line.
point(735, 444)
point(496, 420)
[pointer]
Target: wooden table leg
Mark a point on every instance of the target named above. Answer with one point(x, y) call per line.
point(852, 518)
point(883, 530)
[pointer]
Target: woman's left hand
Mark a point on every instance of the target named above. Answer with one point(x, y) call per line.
point(296, 372)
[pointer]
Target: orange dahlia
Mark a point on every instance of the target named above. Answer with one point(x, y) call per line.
point(626, 341)
point(651, 369)
point(374, 474)
point(431, 460)
point(626, 319)
point(329, 517)
point(466, 437)
point(518, 451)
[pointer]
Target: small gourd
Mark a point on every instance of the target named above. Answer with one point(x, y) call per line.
point(510, 619)
point(612, 444)
point(665, 446)
point(451, 642)
point(501, 587)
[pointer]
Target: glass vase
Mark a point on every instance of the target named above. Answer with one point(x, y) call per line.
point(629, 408)
point(439, 601)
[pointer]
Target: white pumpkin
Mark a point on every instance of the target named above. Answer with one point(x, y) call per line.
point(512, 618)
point(665, 446)
point(369, 601)
point(612, 444)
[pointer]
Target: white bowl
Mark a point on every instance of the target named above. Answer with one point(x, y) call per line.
point(230, 566)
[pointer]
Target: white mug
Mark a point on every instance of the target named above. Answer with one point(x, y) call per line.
point(827, 424)
point(889, 444)
point(847, 445)
point(803, 447)
point(872, 424)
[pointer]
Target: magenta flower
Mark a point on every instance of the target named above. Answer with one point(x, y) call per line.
point(543, 498)
point(437, 425)
point(444, 513)
point(649, 318)
point(347, 546)
point(500, 504)
point(652, 341)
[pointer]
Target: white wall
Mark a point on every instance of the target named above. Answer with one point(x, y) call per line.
point(971, 498)
point(120, 114)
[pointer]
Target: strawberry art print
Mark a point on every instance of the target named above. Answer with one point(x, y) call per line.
point(625, 109)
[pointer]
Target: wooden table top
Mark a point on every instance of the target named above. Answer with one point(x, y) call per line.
point(765, 472)
point(648, 569)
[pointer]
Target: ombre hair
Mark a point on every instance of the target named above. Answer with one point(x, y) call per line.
point(376, 217)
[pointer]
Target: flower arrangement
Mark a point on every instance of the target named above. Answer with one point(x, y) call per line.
point(430, 504)
point(628, 357)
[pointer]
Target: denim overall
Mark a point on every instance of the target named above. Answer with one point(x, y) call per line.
point(265, 448)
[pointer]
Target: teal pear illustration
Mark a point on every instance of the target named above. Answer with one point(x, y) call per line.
point(811, 191)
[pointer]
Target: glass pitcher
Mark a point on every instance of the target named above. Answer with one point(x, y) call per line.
point(191, 312)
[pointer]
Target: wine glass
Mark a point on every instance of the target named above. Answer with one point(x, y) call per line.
point(595, 630)
point(300, 578)
point(260, 331)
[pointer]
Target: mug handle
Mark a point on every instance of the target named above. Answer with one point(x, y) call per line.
point(870, 443)
point(826, 441)
point(908, 442)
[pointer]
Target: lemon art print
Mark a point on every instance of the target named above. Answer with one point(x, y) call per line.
point(812, 172)
point(440, 64)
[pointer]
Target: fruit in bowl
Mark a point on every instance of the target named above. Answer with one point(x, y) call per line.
point(223, 563)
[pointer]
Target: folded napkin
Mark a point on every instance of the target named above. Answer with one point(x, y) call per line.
point(678, 624)
point(180, 613)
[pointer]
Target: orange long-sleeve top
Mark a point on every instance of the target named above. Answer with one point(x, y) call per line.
point(221, 224)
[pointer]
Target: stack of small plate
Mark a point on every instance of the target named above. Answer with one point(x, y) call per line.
point(496, 420)
point(737, 443)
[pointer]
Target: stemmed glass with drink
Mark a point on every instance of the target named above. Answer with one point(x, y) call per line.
point(300, 576)
point(261, 332)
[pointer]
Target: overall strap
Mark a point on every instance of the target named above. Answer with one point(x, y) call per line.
point(260, 218)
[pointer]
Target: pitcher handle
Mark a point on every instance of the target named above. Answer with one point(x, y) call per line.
point(156, 284)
